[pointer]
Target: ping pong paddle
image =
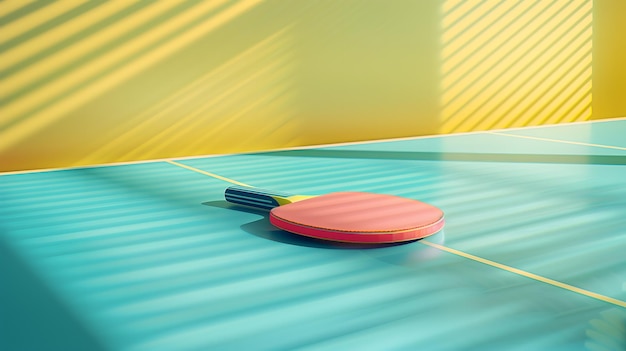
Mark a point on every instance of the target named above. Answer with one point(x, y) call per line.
point(353, 217)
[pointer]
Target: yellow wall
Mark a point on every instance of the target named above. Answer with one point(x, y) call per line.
point(609, 58)
point(515, 63)
point(86, 82)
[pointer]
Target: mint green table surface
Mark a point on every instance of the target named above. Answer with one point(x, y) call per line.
point(149, 256)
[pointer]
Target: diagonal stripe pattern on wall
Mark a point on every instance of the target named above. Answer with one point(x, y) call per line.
point(43, 93)
point(515, 63)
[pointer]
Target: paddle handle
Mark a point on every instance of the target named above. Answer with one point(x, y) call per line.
point(255, 197)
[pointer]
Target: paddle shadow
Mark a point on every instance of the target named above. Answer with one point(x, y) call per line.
point(262, 228)
point(413, 255)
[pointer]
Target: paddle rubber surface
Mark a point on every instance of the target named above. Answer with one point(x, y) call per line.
point(359, 217)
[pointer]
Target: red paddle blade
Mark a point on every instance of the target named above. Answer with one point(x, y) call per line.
point(357, 217)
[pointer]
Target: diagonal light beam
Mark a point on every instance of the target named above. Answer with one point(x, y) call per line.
point(7, 7)
point(516, 93)
point(564, 52)
point(36, 18)
point(69, 56)
point(496, 55)
point(136, 125)
point(57, 110)
point(491, 77)
point(56, 35)
point(18, 12)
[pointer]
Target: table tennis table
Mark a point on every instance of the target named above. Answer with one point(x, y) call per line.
point(149, 255)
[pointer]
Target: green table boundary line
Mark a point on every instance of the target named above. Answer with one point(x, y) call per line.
point(455, 252)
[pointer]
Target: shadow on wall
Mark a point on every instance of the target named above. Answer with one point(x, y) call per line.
point(101, 82)
point(110, 82)
point(515, 63)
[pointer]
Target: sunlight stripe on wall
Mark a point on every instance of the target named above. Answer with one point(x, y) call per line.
point(250, 94)
point(69, 57)
point(515, 63)
point(9, 6)
point(59, 97)
point(27, 49)
point(226, 94)
point(34, 19)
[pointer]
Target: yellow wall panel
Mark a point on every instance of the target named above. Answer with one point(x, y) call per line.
point(99, 82)
point(609, 56)
point(92, 82)
point(515, 63)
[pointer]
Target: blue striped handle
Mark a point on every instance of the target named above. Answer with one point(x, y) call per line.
point(257, 198)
